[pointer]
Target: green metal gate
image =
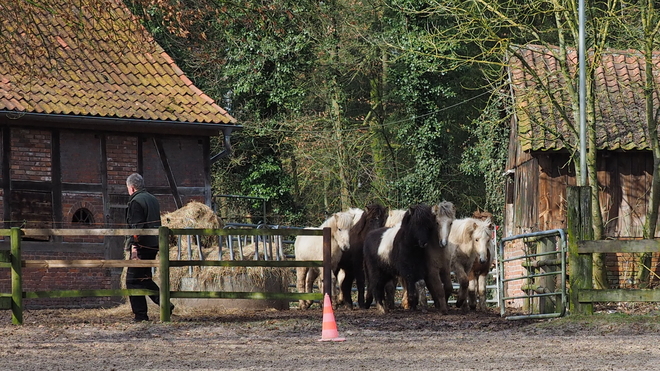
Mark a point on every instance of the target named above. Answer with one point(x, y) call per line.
point(541, 282)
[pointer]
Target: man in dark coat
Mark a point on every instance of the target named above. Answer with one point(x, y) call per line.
point(143, 212)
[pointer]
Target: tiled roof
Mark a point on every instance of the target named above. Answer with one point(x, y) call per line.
point(92, 58)
point(620, 107)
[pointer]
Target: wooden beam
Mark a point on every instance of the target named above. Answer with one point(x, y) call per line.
point(89, 263)
point(89, 232)
point(247, 263)
point(173, 263)
point(168, 172)
point(620, 295)
point(618, 246)
point(291, 296)
point(86, 293)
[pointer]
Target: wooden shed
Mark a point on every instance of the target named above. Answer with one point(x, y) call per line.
point(87, 97)
point(540, 164)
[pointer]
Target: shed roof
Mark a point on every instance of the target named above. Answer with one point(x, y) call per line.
point(619, 106)
point(93, 59)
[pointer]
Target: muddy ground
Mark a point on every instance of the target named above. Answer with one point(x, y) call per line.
point(106, 339)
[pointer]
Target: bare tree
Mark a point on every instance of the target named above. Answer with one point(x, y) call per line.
point(501, 29)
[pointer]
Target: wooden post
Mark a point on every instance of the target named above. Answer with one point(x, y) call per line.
point(327, 258)
point(547, 304)
point(16, 277)
point(164, 252)
point(579, 228)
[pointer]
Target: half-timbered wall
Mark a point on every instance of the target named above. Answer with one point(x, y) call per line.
point(536, 200)
point(77, 179)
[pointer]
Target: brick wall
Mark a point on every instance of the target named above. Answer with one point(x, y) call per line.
point(31, 155)
point(514, 270)
point(122, 158)
point(72, 202)
point(65, 279)
point(622, 270)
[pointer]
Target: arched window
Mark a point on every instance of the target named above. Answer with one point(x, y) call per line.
point(82, 216)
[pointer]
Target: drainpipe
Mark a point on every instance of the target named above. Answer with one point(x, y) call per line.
point(227, 142)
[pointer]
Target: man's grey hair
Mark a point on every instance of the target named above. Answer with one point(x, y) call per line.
point(136, 181)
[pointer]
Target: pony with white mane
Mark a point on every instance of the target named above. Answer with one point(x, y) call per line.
point(469, 242)
point(311, 248)
point(438, 260)
point(399, 251)
point(394, 217)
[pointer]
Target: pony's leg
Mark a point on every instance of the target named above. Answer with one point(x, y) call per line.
point(301, 278)
point(390, 291)
point(377, 284)
point(481, 287)
point(435, 287)
point(472, 293)
point(358, 270)
point(346, 286)
point(404, 299)
point(462, 279)
point(359, 284)
point(370, 287)
point(411, 294)
point(421, 294)
point(341, 277)
point(445, 277)
point(312, 275)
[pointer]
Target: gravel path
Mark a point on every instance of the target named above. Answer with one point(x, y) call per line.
point(288, 340)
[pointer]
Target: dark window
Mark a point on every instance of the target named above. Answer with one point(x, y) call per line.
point(82, 216)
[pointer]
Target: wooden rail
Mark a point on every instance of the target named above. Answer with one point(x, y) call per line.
point(12, 260)
point(581, 246)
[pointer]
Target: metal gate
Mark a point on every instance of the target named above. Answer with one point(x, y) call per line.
point(534, 279)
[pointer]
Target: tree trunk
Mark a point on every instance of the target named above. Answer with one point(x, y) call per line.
point(650, 31)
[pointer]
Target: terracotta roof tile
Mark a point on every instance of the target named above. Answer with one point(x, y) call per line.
point(620, 106)
point(104, 64)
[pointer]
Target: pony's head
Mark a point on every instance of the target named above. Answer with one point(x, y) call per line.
point(375, 215)
point(394, 217)
point(473, 237)
point(482, 236)
point(341, 225)
point(420, 226)
point(445, 213)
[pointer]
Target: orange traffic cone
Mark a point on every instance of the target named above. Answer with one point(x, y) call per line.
point(330, 332)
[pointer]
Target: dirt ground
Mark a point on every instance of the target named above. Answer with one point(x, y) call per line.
point(106, 339)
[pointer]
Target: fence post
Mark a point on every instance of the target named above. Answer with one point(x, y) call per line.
point(579, 229)
point(164, 255)
point(327, 256)
point(16, 277)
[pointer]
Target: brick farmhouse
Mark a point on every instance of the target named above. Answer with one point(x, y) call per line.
point(87, 97)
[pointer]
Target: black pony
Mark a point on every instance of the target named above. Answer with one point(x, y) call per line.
point(399, 251)
point(351, 263)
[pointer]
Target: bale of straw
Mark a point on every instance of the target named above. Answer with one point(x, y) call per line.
point(199, 216)
point(194, 215)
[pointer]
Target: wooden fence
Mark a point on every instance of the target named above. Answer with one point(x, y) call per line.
point(581, 246)
point(12, 259)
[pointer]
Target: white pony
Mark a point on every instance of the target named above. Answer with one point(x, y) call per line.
point(311, 248)
point(469, 242)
